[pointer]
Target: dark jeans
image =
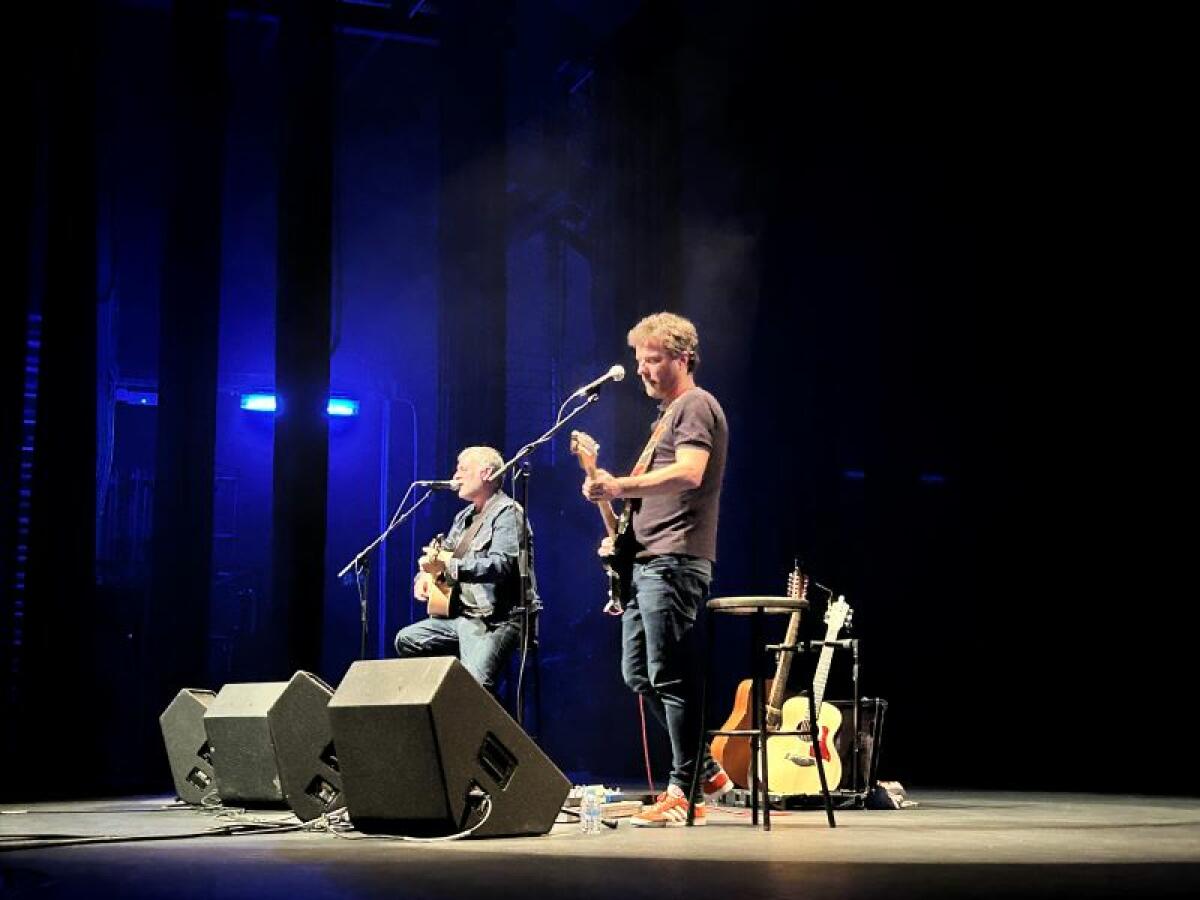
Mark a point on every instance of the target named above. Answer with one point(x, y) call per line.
point(660, 654)
point(483, 647)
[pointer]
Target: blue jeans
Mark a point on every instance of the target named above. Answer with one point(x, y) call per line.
point(660, 658)
point(483, 647)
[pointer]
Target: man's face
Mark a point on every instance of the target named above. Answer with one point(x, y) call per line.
point(661, 373)
point(472, 475)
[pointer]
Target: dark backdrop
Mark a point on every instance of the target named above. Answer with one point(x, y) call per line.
point(921, 253)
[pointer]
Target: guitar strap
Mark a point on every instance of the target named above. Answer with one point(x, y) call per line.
point(464, 542)
point(643, 462)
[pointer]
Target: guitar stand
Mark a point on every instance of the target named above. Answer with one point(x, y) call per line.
point(850, 644)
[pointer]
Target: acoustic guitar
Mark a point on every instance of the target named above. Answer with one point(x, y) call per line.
point(439, 588)
point(618, 568)
point(733, 752)
point(791, 759)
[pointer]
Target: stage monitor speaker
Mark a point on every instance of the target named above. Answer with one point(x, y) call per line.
point(188, 751)
point(240, 738)
point(419, 740)
point(303, 739)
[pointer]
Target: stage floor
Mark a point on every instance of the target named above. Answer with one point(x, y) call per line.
point(954, 844)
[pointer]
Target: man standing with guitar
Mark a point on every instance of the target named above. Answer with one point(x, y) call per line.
point(673, 493)
point(471, 580)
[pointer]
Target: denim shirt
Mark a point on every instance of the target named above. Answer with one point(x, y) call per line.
point(486, 577)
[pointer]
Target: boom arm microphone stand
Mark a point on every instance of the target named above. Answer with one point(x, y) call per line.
point(520, 477)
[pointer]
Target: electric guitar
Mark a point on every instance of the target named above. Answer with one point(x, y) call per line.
point(439, 588)
point(733, 752)
point(618, 568)
point(791, 759)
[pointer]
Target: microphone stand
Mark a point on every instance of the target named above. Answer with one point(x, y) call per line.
point(520, 481)
point(499, 474)
point(361, 564)
point(525, 550)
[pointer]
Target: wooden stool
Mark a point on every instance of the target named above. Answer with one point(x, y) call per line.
point(756, 608)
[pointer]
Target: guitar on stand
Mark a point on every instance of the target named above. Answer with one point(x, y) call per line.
point(618, 568)
point(733, 753)
point(437, 590)
point(791, 759)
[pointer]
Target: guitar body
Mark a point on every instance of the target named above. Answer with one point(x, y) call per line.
point(791, 759)
point(618, 587)
point(439, 598)
point(733, 753)
point(438, 588)
point(618, 568)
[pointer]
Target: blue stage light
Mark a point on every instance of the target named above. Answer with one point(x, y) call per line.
point(338, 406)
point(258, 402)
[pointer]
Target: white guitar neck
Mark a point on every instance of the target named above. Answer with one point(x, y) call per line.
point(838, 613)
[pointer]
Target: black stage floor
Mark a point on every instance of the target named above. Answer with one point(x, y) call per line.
point(955, 844)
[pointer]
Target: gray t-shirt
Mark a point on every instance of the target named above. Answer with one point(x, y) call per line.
point(686, 522)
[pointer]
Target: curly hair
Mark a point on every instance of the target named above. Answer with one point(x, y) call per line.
point(676, 334)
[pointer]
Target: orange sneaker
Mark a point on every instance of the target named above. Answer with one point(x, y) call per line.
point(668, 811)
point(718, 786)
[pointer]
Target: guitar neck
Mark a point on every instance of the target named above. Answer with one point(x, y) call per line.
point(821, 676)
point(783, 667)
point(606, 510)
point(609, 517)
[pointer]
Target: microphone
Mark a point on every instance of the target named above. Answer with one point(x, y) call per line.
point(616, 373)
point(448, 485)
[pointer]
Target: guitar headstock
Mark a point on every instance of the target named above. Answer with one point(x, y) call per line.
point(434, 547)
point(838, 615)
point(797, 583)
point(585, 448)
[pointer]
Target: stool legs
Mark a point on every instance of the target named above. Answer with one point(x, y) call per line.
point(758, 768)
point(815, 737)
point(703, 717)
point(759, 774)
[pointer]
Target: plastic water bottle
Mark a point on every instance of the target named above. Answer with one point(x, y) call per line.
point(589, 810)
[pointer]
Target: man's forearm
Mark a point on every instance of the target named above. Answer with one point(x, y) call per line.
point(491, 567)
point(673, 479)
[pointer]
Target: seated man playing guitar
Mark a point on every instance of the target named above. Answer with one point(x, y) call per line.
point(471, 580)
